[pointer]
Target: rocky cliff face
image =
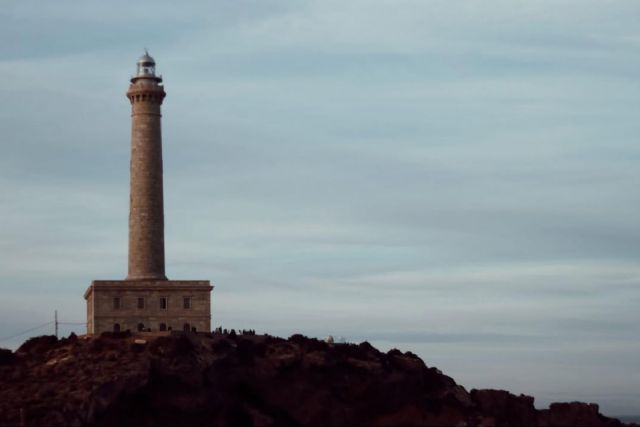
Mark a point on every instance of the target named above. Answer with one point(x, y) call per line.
point(249, 380)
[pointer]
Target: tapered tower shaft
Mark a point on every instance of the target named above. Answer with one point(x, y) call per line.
point(146, 208)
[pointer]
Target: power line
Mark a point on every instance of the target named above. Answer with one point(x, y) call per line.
point(55, 322)
point(26, 331)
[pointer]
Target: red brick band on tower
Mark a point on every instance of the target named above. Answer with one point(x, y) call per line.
point(146, 210)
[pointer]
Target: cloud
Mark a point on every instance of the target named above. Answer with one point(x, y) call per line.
point(453, 178)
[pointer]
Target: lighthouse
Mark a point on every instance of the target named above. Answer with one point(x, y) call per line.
point(146, 206)
point(146, 301)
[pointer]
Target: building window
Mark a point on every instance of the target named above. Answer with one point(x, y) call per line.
point(140, 327)
point(186, 327)
point(163, 326)
point(163, 303)
point(116, 327)
point(140, 302)
point(187, 303)
point(116, 303)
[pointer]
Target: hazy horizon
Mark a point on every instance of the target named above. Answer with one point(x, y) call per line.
point(457, 179)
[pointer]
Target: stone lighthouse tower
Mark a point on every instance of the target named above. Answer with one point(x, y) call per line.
point(146, 301)
point(146, 210)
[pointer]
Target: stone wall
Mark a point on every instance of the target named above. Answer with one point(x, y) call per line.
point(102, 315)
point(90, 323)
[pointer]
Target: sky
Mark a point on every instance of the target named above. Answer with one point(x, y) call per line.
point(454, 178)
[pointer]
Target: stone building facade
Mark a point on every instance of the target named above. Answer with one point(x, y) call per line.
point(163, 305)
point(146, 300)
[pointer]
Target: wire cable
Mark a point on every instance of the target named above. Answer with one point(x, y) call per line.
point(26, 332)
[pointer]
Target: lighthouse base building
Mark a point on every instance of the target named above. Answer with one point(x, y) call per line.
point(146, 301)
point(163, 305)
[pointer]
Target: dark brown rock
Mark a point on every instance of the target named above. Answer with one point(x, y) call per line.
point(7, 357)
point(219, 380)
point(505, 408)
point(575, 414)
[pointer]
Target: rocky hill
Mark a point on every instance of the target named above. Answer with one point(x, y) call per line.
point(248, 380)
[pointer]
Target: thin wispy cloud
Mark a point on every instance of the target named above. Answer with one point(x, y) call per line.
point(454, 178)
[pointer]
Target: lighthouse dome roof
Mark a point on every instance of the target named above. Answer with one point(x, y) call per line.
point(146, 59)
point(146, 67)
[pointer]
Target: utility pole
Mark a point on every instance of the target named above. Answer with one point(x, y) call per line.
point(55, 320)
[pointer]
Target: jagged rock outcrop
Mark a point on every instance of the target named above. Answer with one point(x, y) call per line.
point(245, 380)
